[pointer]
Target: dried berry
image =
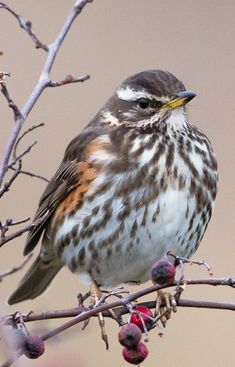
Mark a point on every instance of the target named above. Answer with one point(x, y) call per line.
point(33, 346)
point(129, 335)
point(136, 355)
point(163, 272)
point(146, 316)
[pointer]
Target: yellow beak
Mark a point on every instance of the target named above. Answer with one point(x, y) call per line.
point(181, 99)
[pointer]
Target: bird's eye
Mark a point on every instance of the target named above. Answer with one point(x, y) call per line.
point(143, 103)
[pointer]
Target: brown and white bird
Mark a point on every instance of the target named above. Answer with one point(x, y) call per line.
point(138, 181)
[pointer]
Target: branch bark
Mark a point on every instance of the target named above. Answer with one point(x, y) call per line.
point(4, 239)
point(43, 82)
point(119, 307)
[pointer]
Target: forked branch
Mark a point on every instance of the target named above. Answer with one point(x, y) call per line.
point(43, 81)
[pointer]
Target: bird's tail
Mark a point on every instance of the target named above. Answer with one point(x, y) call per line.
point(36, 280)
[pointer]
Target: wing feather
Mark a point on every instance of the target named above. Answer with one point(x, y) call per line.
point(62, 183)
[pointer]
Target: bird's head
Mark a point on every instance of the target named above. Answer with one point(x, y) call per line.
point(148, 100)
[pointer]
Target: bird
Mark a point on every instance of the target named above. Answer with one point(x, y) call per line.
point(138, 181)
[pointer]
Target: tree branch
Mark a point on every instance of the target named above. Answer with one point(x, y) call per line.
point(29, 130)
point(68, 80)
point(119, 307)
point(43, 82)
point(26, 25)
point(11, 103)
point(4, 239)
point(8, 184)
point(31, 174)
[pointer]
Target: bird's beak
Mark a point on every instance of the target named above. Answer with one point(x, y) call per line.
point(181, 99)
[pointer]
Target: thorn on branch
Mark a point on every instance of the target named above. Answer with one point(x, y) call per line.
point(26, 25)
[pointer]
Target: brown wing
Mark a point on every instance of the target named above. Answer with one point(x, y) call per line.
point(66, 178)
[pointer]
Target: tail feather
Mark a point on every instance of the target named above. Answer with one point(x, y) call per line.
point(36, 280)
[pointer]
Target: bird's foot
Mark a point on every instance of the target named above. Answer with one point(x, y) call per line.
point(165, 304)
point(96, 300)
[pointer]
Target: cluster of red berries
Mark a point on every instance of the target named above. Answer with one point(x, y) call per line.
point(141, 319)
point(130, 335)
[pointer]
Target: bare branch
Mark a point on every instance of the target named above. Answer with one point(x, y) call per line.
point(17, 222)
point(42, 83)
point(11, 103)
point(7, 184)
point(26, 25)
point(23, 135)
point(3, 74)
point(15, 269)
point(26, 151)
point(4, 239)
point(68, 80)
point(119, 307)
point(9, 223)
point(31, 174)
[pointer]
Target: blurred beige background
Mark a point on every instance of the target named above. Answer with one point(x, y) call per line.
point(110, 40)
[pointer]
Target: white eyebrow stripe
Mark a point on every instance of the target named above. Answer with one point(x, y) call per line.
point(128, 94)
point(162, 99)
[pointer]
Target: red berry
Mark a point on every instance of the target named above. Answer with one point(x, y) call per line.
point(33, 346)
point(163, 272)
point(129, 335)
point(145, 315)
point(136, 355)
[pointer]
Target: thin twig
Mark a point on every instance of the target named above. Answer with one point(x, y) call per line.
point(31, 174)
point(68, 80)
point(26, 25)
point(42, 83)
point(17, 222)
point(4, 227)
point(11, 103)
point(21, 231)
point(21, 155)
point(23, 135)
point(3, 75)
point(7, 184)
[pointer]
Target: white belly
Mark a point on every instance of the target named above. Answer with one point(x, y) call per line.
point(143, 237)
point(123, 230)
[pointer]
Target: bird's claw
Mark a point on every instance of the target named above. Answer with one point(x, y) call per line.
point(165, 304)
